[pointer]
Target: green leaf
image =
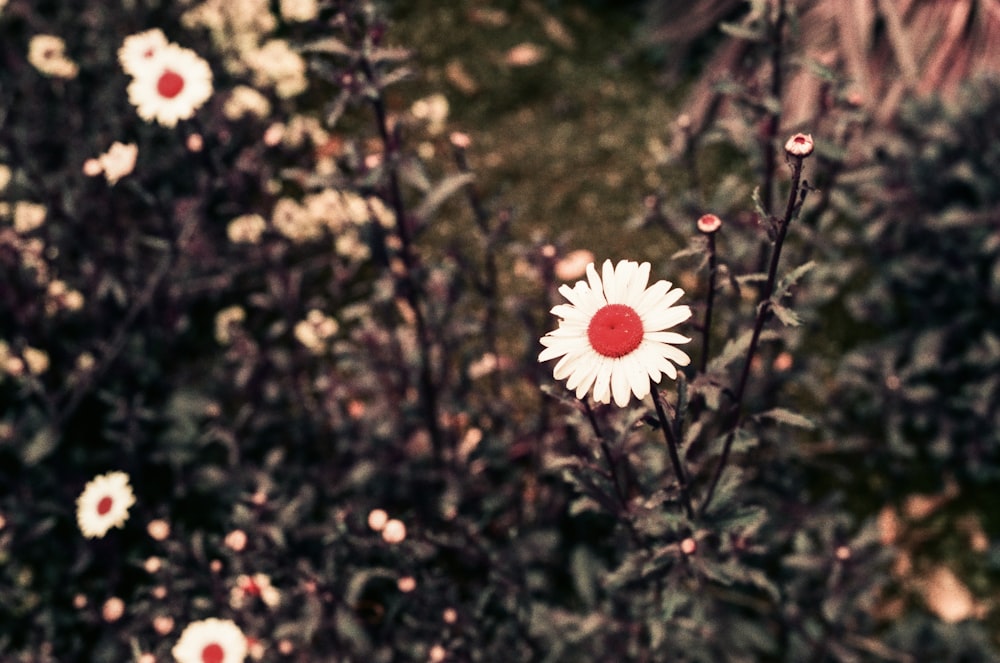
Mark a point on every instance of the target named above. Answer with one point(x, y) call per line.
point(790, 279)
point(788, 317)
point(783, 416)
point(736, 348)
point(42, 444)
point(743, 32)
point(443, 190)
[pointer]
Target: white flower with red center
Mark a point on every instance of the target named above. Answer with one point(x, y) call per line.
point(104, 503)
point(256, 586)
point(211, 641)
point(171, 86)
point(138, 50)
point(613, 336)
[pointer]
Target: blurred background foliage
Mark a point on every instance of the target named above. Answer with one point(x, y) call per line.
point(870, 534)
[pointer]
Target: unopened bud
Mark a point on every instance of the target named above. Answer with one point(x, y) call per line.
point(709, 223)
point(800, 145)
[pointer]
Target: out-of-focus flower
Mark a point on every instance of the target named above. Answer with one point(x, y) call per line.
point(437, 654)
point(47, 53)
point(800, 145)
point(450, 615)
point(158, 529)
point(948, 597)
point(211, 641)
point(195, 143)
point(377, 518)
point(138, 50)
point(59, 297)
point(406, 584)
point(28, 216)
point(245, 100)
point(147, 657)
point(113, 609)
point(152, 564)
point(299, 10)
point(709, 223)
point(163, 624)
point(79, 601)
point(256, 586)
point(433, 110)
point(294, 221)
point(256, 649)
point(104, 503)
point(573, 265)
point(276, 64)
point(246, 229)
point(316, 330)
point(36, 360)
point(92, 168)
point(5, 175)
point(236, 540)
point(118, 161)
point(612, 335)
point(524, 55)
point(274, 134)
point(285, 647)
point(171, 86)
point(226, 321)
point(394, 531)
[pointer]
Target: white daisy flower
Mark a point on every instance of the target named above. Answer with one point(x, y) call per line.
point(171, 86)
point(104, 503)
point(137, 51)
point(211, 641)
point(612, 335)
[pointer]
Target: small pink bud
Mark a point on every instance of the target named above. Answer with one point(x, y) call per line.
point(236, 540)
point(689, 546)
point(92, 168)
point(152, 564)
point(843, 553)
point(460, 140)
point(163, 624)
point(158, 529)
point(450, 616)
point(394, 531)
point(800, 145)
point(709, 223)
point(113, 609)
point(195, 142)
point(377, 519)
point(406, 584)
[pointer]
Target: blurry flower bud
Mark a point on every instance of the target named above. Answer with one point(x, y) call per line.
point(689, 546)
point(236, 540)
point(377, 519)
point(800, 145)
point(709, 223)
point(113, 609)
point(406, 584)
point(158, 529)
point(394, 531)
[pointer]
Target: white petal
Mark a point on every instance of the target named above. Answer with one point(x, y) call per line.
point(620, 386)
point(637, 285)
point(638, 378)
point(665, 318)
point(596, 287)
point(602, 383)
point(666, 337)
point(651, 297)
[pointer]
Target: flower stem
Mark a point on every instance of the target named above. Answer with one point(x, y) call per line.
point(763, 308)
point(672, 447)
point(706, 327)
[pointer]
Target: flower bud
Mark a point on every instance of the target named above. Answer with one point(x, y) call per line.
point(799, 145)
point(709, 223)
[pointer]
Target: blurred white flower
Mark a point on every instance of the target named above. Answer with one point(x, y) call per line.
point(277, 65)
point(211, 641)
point(47, 53)
point(227, 319)
point(433, 110)
point(137, 51)
point(299, 10)
point(315, 331)
point(36, 360)
point(245, 100)
point(171, 86)
point(236, 540)
point(118, 161)
point(377, 518)
point(28, 216)
point(113, 609)
point(158, 529)
point(104, 503)
point(5, 175)
point(573, 265)
point(394, 531)
point(246, 229)
point(294, 221)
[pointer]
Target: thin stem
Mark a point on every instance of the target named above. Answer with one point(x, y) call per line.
point(672, 447)
point(763, 308)
point(774, 117)
point(593, 419)
point(410, 287)
point(706, 327)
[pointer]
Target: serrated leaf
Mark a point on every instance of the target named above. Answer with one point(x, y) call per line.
point(441, 192)
point(790, 279)
point(736, 348)
point(787, 417)
point(788, 317)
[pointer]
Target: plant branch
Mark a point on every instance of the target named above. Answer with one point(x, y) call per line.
point(763, 308)
point(669, 436)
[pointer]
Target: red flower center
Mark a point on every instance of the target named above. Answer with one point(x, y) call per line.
point(212, 653)
point(615, 330)
point(800, 140)
point(170, 84)
point(104, 505)
point(251, 587)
